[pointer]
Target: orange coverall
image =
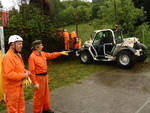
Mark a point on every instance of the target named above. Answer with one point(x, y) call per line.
point(13, 72)
point(38, 65)
point(77, 45)
point(73, 35)
point(66, 40)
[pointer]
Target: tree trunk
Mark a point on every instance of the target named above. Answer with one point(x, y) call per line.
point(46, 5)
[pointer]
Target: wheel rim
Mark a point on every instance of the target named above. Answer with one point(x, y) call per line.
point(124, 59)
point(84, 57)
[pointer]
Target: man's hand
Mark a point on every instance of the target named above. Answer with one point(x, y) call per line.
point(36, 86)
point(27, 73)
point(64, 53)
point(27, 82)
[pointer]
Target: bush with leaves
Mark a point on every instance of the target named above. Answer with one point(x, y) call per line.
point(31, 24)
point(143, 34)
point(67, 14)
point(84, 13)
point(127, 14)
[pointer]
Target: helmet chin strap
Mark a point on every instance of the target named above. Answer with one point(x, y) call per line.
point(15, 48)
point(16, 52)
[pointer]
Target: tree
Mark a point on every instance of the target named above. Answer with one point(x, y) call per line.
point(31, 23)
point(95, 9)
point(85, 13)
point(49, 6)
point(99, 1)
point(67, 16)
point(145, 4)
point(67, 12)
point(127, 14)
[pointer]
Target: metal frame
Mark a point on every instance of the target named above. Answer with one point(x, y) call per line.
point(110, 57)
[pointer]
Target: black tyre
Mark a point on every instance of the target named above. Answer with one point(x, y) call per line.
point(86, 58)
point(143, 57)
point(125, 59)
point(143, 53)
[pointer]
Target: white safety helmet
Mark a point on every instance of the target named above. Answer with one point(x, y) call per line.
point(14, 38)
point(65, 30)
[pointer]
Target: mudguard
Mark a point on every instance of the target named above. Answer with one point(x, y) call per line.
point(132, 50)
point(143, 46)
point(84, 49)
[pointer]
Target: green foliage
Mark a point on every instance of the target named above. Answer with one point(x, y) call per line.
point(95, 9)
point(32, 24)
point(67, 14)
point(84, 13)
point(55, 6)
point(127, 14)
point(143, 33)
point(85, 31)
point(99, 1)
point(145, 4)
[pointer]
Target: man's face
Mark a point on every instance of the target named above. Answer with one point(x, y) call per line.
point(18, 46)
point(39, 47)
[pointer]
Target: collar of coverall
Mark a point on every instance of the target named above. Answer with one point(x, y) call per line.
point(17, 53)
point(13, 52)
point(37, 53)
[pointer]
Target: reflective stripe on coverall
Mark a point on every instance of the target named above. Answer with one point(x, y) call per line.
point(13, 72)
point(38, 64)
point(66, 40)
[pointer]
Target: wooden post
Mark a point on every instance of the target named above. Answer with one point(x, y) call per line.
point(77, 17)
point(115, 7)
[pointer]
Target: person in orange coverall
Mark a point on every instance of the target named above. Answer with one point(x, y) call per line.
point(13, 73)
point(66, 39)
point(73, 35)
point(39, 76)
point(77, 45)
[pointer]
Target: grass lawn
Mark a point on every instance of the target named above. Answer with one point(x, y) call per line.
point(85, 31)
point(64, 71)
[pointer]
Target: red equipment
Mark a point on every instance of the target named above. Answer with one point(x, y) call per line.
point(4, 18)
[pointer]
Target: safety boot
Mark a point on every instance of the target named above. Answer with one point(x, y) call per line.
point(48, 111)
